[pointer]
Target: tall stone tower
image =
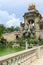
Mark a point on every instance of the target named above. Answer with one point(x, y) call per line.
point(31, 19)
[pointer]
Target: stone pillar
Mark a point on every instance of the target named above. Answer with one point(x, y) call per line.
point(30, 25)
point(26, 45)
point(37, 27)
point(26, 24)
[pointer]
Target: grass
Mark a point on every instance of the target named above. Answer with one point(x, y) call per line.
point(8, 50)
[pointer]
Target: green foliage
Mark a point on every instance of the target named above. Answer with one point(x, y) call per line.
point(40, 42)
point(20, 41)
point(3, 41)
point(10, 43)
point(30, 41)
point(2, 28)
point(17, 29)
point(9, 29)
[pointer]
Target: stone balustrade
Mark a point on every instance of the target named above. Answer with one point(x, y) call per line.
point(22, 58)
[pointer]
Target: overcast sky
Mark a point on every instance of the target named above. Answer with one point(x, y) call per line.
point(12, 11)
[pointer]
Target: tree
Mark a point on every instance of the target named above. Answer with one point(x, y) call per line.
point(20, 41)
point(2, 28)
point(12, 28)
point(9, 29)
point(17, 29)
point(3, 41)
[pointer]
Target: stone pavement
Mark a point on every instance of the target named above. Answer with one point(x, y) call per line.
point(38, 61)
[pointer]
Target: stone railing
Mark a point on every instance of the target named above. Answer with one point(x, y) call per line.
point(22, 58)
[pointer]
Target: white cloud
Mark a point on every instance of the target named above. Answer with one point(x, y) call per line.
point(13, 22)
point(9, 19)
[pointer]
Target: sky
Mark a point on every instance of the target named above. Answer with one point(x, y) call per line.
point(12, 11)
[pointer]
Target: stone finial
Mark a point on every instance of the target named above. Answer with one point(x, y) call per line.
point(32, 6)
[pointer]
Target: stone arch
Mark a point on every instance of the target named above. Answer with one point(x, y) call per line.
point(31, 20)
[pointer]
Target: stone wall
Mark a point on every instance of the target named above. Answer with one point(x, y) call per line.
point(41, 34)
point(11, 36)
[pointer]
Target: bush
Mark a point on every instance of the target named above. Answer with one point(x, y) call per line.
point(3, 41)
point(10, 43)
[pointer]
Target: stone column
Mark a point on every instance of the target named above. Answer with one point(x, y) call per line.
point(30, 25)
point(37, 27)
point(26, 45)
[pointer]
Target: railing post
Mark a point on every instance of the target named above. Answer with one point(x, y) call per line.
point(38, 52)
point(7, 62)
point(1, 63)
